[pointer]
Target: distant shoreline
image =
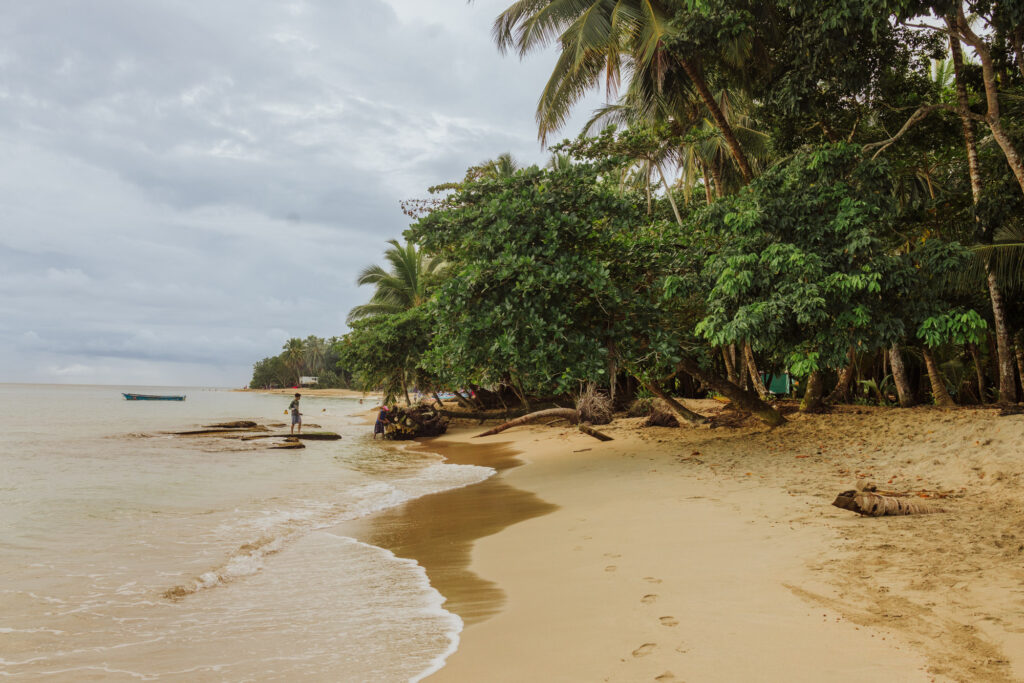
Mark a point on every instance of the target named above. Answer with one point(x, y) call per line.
point(306, 391)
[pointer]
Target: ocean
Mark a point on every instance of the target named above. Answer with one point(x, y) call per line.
point(130, 554)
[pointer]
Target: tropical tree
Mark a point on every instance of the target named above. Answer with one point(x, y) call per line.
point(404, 286)
point(600, 40)
point(295, 357)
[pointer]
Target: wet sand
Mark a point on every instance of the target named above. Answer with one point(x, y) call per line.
point(438, 531)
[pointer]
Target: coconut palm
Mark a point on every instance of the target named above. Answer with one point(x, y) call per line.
point(599, 39)
point(295, 357)
point(405, 286)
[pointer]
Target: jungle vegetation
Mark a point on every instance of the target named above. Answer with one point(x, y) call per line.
point(833, 190)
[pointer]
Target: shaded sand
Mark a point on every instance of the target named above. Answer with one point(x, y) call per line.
point(714, 555)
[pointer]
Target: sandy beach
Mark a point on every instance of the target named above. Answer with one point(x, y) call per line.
point(715, 555)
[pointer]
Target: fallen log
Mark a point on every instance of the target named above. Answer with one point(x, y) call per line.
point(590, 431)
point(566, 413)
point(867, 503)
point(483, 414)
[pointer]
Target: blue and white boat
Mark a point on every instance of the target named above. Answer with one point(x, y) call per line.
point(151, 397)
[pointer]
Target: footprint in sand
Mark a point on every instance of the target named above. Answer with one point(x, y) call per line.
point(682, 649)
point(651, 579)
point(667, 676)
point(613, 555)
point(649, 598)
point(644, 650)
point(610, 568)
point(668, 621)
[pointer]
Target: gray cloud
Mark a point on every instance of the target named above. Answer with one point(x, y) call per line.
point(187, 185)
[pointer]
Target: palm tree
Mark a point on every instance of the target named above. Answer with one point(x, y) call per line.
point(597, 39)
point(405, 286)
point(294, 357)
point(315, 352)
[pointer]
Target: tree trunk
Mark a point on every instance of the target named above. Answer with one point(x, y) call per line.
point(730, 365)
point(813, 393)
point(755, 374)
point(697, 78)
point(940, 395)
point(842, 390)
point(899, 377)
point(1019, 347)
point(440, 403)
point(668, 193)
point(682, 413)
point(716, 175)
point(979, 371)
point(745, 400)
point(1007, 386)
point(707, 184)
point(569, 414)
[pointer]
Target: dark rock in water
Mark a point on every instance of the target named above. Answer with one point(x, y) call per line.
point(221, 431)
point(414, 421)
point(289, 444)
point(237, 424)
point(305, 436)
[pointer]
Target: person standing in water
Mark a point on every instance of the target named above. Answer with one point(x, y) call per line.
point(382, 420)
point(296, 415)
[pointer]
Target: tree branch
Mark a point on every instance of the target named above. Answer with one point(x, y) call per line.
point(915, 118)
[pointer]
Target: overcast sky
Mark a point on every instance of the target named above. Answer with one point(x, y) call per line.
point(187, 184)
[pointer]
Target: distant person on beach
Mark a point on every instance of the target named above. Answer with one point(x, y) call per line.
point(296, 415)
point(382, 419)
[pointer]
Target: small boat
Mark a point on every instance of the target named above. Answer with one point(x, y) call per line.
point(151, 397)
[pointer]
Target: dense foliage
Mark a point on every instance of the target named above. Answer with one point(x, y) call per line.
point(829, 189)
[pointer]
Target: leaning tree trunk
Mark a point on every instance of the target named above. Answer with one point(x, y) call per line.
point(745, 400)
point(755, 374)
point(682, 413)
point(899, 377)
point(939, 392)
point(668, 194)
point(1007, 385)
point(812, 399)
point(842, 390)
point(569, 414)
point(730, 364)
point(697, 78)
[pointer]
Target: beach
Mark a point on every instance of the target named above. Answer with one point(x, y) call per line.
point(715, 555)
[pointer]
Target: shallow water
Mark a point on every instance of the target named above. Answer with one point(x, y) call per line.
point(130, 554)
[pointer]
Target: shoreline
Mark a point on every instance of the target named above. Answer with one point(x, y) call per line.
point(684, 554)
point(306, 391)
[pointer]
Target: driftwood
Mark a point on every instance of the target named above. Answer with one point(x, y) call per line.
point(590, 431)
point(561, 413)
point(414, 421)
point(565, 413)
point(867, 502)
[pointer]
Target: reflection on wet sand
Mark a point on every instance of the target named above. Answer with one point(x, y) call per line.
point(438, 530)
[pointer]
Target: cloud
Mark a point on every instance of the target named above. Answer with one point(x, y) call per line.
point(186, 185)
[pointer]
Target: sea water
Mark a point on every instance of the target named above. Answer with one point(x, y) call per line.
point(130, 554)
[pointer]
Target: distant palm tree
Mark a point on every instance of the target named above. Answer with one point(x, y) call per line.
point(405, 286)
point(503, 166)
point(315, 353)
point(295, 357)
